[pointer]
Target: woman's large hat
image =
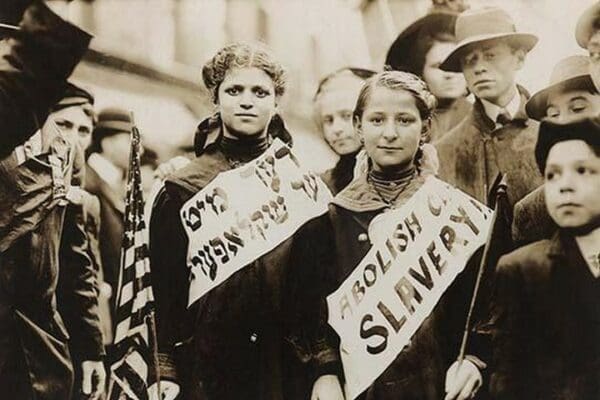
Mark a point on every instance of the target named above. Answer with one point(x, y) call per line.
point(402, 51)
point(481, 25)
point(586, 24)
point(571, 73)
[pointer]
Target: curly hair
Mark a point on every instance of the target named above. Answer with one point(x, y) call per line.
point(242, 55)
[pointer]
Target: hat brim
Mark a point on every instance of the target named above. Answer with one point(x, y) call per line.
point(452, 63)
point(405, 42)
point(537, 104)
point(585, 25)
point(9, 30)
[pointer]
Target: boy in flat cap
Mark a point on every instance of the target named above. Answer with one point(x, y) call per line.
point(570, 95)
point(496, 136)
point(105, 173)
point(546, 307)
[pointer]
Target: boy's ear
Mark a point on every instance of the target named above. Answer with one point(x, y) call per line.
point(520, 53)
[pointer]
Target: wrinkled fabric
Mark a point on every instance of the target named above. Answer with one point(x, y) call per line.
point(241, 340)
point(419, 371)
point(447, 117)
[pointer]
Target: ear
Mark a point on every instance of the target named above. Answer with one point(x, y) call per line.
point(520, 54)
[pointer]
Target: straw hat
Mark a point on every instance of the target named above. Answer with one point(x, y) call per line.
point(480, 25)
point(571, 73)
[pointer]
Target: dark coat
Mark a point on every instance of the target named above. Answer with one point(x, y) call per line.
point(112, 208)
point(446, 117)
point(546, 324)
point(531, 219)
point(78, 286)
point(240, 339)
point(34, 67)
point(34, 357)
point(474, 152)
point(419, 371)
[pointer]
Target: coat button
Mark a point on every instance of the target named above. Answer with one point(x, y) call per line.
point(253, 337)
point(363, 237)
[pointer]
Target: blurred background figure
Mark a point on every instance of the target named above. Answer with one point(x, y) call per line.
point(587, 34)
point(108, 159)
point(420, 49)
point(334, 104)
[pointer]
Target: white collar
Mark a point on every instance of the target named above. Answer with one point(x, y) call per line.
point(107, 171)
point(493, 110)
point(589, 245)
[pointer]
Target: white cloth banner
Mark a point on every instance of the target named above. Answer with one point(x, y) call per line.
point(246, 212)
point(418, 250)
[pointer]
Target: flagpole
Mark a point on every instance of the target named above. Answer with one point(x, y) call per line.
point(482, 267)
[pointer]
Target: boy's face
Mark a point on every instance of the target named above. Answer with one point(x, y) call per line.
point(594, 52)
point(572, 184)
point(490, 70)
point(567, 106)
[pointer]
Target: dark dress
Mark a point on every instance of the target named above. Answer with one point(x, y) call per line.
point(241, 340)
point(419, 371)
point(546, 324)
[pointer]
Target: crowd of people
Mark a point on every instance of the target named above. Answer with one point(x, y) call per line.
point(446, 104)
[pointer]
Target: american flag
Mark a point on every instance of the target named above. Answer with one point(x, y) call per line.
point(134, 373)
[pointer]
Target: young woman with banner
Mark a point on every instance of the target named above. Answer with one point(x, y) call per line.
point(225, 319)
point(392, 117)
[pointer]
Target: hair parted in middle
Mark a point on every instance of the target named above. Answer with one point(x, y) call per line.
point(398, 80)
point(242, 55)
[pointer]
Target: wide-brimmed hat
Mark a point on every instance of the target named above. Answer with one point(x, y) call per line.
point(481, 25)
point(571, 73)
point(551, 133)
point(586, 25)
point(402, 51)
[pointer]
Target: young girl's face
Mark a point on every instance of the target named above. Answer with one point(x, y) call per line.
point(391, 127)
point(572, 184)
point(246, 101)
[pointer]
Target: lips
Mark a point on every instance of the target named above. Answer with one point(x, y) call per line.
point(484, 82)
point(389, 148)
point(569, 205)
point(246, 115)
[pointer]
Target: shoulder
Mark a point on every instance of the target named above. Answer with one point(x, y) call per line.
point(200, 171)
point(529, 261)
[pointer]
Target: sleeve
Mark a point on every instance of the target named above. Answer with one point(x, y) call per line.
point(34, 66)
point(509, 338)
point(311, 279)
point(168, 249)
point(78, 288)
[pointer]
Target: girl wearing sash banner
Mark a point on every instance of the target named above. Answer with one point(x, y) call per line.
point(237, 341)
point(392, 117)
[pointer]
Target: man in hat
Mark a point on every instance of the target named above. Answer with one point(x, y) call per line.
point(37, 186)
point(105, 178)
point(570, 95)
point(587, 34)
point(496, 136)
point(545, 326)
point(38, 51)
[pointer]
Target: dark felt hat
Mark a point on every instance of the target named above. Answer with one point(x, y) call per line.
point(571, 73)
point(114, 120)
point(586, 24)
point(480, 25)
point(401, 52)
point(551, 133)
point(74, 96)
